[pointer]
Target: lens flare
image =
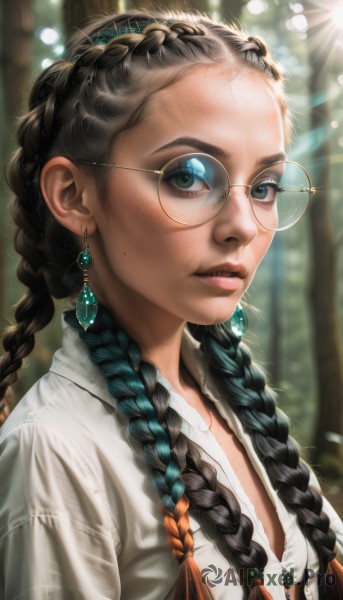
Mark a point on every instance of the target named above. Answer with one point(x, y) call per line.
point(337, 16)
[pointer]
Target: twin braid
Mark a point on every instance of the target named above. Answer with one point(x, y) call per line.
point(243, 384)
point(181, 477)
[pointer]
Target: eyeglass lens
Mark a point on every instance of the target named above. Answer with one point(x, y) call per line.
point(279, 195)
point(193, 189)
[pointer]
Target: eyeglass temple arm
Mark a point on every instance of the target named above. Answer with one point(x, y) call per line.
point(96, 164)
point(308, 190)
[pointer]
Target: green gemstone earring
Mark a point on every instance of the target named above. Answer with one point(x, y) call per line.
point(86, 303)
point(238, 324)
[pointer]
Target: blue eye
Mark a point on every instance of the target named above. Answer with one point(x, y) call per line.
point(192, 188)
point(183, 178)
point(188, 176)
point(266, 191)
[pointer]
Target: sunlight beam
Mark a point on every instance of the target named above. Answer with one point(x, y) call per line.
point(337, 16)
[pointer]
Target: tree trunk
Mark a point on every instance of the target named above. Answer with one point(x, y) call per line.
point(277, 251)
point(323, 286)
point(75, 12)
point(15, 53)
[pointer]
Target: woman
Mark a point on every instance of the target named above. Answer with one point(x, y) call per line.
point(147, 176)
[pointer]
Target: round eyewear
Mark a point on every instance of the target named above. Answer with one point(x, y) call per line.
point(193, 188)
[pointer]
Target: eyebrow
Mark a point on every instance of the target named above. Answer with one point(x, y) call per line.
point(218, 152)
point(268, 161)
point(199, 145)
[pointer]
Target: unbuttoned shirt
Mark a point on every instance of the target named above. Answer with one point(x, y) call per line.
point(79, 515)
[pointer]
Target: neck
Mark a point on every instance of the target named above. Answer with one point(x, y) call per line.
point(163, 349)
point(157, 334)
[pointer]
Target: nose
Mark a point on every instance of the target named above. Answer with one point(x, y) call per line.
point(236, 221)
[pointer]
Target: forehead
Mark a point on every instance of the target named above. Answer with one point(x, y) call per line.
point(227, 107)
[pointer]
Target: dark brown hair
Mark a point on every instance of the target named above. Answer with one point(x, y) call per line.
point(111, 69)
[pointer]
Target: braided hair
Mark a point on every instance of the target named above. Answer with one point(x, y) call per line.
point(70, 106)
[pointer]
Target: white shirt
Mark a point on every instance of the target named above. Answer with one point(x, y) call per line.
point(79, 516)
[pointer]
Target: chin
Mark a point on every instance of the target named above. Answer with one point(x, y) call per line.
point(220, 317)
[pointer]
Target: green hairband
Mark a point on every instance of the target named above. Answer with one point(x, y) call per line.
point(107, 36)
point(111, 34)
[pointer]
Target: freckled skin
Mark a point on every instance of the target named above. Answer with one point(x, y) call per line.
point(144, 261)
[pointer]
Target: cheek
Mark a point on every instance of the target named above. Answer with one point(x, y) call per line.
point(131, 217)
point(262, 244)
point(139, 238)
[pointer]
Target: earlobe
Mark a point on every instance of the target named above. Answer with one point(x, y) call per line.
point(68, 193)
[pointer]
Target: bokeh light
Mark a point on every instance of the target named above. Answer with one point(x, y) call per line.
point(257, 7)
point(58, 50)
point(297, 23)
point(48, 35)
point(46, 62)
point(296, 7)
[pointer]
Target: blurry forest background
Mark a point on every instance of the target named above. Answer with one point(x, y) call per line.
point(296, 313)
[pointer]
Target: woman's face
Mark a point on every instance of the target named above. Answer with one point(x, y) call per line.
point(149, 268)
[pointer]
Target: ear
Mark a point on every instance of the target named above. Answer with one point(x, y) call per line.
point(69, 194)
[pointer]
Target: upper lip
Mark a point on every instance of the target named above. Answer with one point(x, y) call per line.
point(230, 267)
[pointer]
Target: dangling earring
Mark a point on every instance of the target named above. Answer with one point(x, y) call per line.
point(238, 324)
point(86, 303)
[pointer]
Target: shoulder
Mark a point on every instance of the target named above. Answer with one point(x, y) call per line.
point(52, 456)
point(59, 422)
point(65, 449)
point(44, 470)
point(53, 515)
point(69, 399)
point(58, 404)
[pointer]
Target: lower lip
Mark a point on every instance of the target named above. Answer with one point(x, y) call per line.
point(229, 284)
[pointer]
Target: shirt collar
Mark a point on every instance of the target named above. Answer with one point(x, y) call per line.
point(72, 361)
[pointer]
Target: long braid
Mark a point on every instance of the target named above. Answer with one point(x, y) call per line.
point(179, 473)
point(243, 384)
point(43, 266)
point(118, 360)
point(70, 108)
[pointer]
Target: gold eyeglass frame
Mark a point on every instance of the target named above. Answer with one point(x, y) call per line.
point(160, 172)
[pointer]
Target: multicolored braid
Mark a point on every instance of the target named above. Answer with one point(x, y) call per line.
point(243, 384)
point(175, 462)
point(71, 106)
point(118, 360)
